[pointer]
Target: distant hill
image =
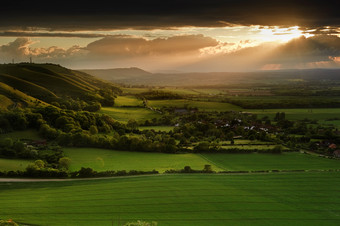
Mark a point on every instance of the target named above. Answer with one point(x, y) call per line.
point(136, 76)
point(28, 84)
point(119, 74)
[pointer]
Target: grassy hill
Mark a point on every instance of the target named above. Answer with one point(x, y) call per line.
point(25, 83)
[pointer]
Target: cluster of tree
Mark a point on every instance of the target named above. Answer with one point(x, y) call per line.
point(89, 172)
point(188, 169)
point(19, 149)
point(159, 95)
point(213, 148)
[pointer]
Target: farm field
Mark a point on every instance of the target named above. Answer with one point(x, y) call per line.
point(284, 161)
point(13, 164)
point(124, 114)
point(257, 199)
point(104, 159)
point(202, 105)
point(299, 114)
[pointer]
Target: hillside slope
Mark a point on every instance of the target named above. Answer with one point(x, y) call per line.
point(27, 83)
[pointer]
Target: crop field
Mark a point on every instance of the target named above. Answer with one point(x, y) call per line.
point(13, 164)
point(257, 199)
point(128, 101)
point(284, 161)
point(124, 114)
point(299, 114)
point(202, 105)
point(104, 159)
point(24, 134)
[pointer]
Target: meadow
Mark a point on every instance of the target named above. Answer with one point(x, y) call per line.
point(104, 159)
point(13, 164)
point(256, 199)
point(124, 114)
point(157, 128)
point(122, 101)
point(284, 161)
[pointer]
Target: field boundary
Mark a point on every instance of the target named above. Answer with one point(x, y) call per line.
point(7, 180)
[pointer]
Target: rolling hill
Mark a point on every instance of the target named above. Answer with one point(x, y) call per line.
point(136, 76)
point(28, 84)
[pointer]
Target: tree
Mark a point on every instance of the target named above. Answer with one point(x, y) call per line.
point(93, 130)
point(64, 163)
point(132, 124)
point(207, 168)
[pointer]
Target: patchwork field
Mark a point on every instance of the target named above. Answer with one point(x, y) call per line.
point(284, 161)
point(103, 159)
point(299, 114)
point(258, 199)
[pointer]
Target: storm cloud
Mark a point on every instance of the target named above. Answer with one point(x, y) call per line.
point(99, 15)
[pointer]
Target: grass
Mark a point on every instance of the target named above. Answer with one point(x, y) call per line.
point(284, 161)
point(259, 199)
point(103, 159)
point(157, 128)
point(5, 102)
point(13, 164)
point(201, 105)
point(299, 114)
point(124, 114)
point(128, 101)
point(24, 134)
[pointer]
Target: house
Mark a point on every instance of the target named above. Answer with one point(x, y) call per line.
point(332, 146)
point(336, 153)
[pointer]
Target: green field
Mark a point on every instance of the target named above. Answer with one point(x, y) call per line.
point(103, 159)
point(13, 164)
point(299, 114)
point(24, 134)
point(258, 199)
point(201, 105)
point(284, 161)
point(124, 114)
point(128, 101)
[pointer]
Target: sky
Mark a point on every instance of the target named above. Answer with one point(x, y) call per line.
point(177, 35)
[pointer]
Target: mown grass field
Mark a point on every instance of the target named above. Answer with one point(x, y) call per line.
point(201, 105)
point(103, 159)
point(284, 161)
point(257, 199)
point(13, 164)
point(124, 114)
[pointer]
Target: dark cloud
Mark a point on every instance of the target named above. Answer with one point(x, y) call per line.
point(75, 15)
point(129, 46)
point(49, 34)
